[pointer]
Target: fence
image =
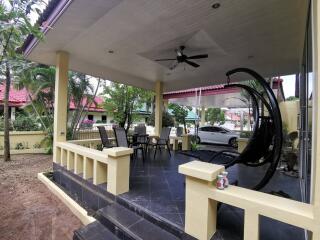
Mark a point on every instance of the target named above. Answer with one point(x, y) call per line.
point(24, 142)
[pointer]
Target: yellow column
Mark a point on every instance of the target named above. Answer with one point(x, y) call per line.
point(201, 212)
point(158, 108)
point(60, 101)
point(203, 117)
point(315, 174)
point(165, 104)
point(251, 225)
point(316, 119)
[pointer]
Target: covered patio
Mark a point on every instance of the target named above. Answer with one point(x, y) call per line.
point(174, 198)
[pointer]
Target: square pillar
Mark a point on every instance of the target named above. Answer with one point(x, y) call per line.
point(315, 172)
point(201, 211)
point(13, 114)
point(186, 142)
point(118, 169)
point(203, 117)
point(60, 100)
point(165, 104)
point(158, 108)
point(251, 225)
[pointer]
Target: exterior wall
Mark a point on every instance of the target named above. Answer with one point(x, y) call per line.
point(289, 113)
point(30, 140)
point(96, 116)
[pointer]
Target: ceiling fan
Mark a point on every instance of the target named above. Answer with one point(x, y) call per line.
point(182, 58)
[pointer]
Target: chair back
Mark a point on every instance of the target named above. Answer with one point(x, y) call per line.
point(165, 133)
point(104, 137)
point(121, 137)
point(140, 129)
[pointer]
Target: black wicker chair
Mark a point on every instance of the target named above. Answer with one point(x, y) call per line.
point(122, 141)
point(142, 136)
point(163, 140)
point(104, 137)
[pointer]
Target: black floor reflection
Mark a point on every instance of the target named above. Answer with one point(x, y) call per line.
point(158, 187)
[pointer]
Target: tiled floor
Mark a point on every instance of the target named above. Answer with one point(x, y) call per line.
point(158, 187)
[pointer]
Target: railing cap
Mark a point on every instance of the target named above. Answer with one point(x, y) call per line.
point(118, 151)
point(201, 170)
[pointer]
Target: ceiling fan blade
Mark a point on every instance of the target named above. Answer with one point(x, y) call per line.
point(193, 64)
point(198, 56)
point(165, 59)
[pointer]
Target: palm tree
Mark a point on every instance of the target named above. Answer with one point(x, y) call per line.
point(15, 26)
point(82, 93)
point(39, 82)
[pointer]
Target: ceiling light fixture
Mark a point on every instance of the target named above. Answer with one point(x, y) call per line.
point(216, 5)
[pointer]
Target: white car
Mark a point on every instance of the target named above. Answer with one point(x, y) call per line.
point(214, 134)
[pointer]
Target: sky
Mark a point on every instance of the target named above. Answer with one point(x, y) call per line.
point(289, 85)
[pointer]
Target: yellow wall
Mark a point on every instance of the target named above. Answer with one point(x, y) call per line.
point(28, 138)
point(289, 113)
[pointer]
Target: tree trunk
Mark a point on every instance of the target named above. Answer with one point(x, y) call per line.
point(6, 115)
point(185, 127)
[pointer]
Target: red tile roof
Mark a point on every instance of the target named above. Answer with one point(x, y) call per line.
point(212, 90)
point(94, 107)
point(19, 98)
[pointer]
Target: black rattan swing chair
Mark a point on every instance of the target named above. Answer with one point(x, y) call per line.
point(265, 143)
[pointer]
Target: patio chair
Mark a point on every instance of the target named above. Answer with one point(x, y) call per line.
point(122, 141)
point(142, 136)
point(163, 140)
point(265, 144)
point(104, 137)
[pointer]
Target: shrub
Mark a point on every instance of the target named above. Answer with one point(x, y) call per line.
point(21, 146)
point(25, 123)
point(167, 120)
point(87, 123)
point(2, 124)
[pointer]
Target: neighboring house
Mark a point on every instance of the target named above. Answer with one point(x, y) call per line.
point(19, 98)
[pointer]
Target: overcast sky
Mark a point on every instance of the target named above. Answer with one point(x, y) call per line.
point(289, 85)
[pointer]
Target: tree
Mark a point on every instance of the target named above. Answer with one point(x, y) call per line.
point(83, 94)
point(167, 120)
point(215, 115)
point(292, 98)
point(180, 113)
point(122, 102)
point(14, 28)
point(39, 80)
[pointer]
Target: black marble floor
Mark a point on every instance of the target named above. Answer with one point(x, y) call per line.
point(158, 187)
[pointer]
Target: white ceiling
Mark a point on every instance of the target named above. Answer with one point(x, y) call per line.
point(266, 36)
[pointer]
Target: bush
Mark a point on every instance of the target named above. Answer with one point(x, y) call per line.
point(2, 124)
point(246, 134)
point(25, 123)
point(167, 120)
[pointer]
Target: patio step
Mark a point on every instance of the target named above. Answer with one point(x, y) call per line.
point(128, 225)
point(94, 231)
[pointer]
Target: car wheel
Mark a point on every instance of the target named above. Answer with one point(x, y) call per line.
point(233, 142)
point(198, 140)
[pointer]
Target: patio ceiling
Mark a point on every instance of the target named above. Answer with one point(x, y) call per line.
point(266, 36)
